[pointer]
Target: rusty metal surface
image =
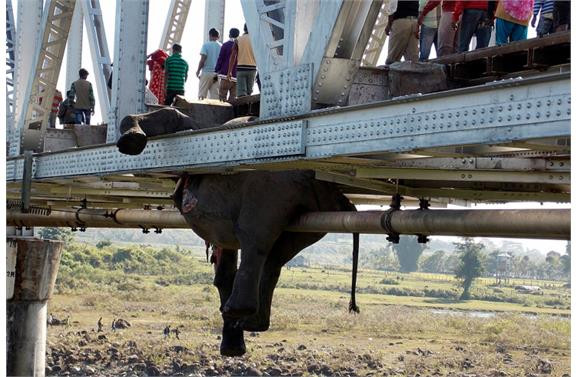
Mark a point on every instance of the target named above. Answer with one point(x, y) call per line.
point(541, 223)
point(37, 264)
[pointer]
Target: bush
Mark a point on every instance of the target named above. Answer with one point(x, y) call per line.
point(387, 281)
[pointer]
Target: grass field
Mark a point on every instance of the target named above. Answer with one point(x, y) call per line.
point(311, 332)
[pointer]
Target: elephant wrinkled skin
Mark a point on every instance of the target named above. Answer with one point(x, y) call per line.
point(247, 211)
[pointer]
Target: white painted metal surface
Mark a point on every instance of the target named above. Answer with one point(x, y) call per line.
point(128, 94)
point(99, 50)
point(175, 23)
point(74, 48)
point(214, 18)
point(377, 39)
point(28, 28)
point(10, 41)
point(47, 61)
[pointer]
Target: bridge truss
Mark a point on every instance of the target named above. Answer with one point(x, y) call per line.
point(502, 135)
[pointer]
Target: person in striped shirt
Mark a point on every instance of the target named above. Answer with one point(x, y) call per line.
point(176, 69)
point(546, 25)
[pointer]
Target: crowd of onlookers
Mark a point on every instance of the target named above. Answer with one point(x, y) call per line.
point(225, 71)
point(450, 25)
point(228, 71)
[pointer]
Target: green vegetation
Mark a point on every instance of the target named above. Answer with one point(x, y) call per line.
point(410, 323)
point(470, 266)
point(408, 251)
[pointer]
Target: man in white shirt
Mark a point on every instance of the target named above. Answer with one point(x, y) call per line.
point(208, 85)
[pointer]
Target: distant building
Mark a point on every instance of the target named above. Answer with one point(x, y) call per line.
point(504, 265)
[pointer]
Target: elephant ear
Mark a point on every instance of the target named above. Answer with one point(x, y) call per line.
point(177, 195)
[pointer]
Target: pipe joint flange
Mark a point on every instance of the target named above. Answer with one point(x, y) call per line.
point(423, 206)
point(386, 220)
point(79, 222)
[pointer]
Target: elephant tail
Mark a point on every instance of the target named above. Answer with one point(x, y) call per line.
point(355, 251)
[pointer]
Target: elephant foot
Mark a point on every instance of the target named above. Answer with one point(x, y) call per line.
point(255, 324)
point(132, 142)
point(232, 343)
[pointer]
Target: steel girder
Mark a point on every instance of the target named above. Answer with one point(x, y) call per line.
point(99, 50)
point(534, 108)
point(44, 76)
point(74, 48)
point(128, 92)
point(10, 58)
point(175, 23)
point(214, 18)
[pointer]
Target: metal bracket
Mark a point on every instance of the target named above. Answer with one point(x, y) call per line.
point(386, 220)
point(424, 204)
point(334, 80)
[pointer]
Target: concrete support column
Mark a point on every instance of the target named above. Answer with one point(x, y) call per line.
point(31, 266)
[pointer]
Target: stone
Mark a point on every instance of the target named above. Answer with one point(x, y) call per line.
point(274, 372)
point(301, 347)
point(89, 370)
point(152, 370)
point(544, 366)
point(132, 359)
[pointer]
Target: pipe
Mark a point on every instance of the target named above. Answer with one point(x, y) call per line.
point(526, 223)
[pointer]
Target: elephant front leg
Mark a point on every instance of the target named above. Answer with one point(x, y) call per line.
point(232, 342)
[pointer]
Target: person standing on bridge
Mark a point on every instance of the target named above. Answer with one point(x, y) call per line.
point(176, 69)
point(242, 55)
point(227, 84)
point(474, 15)
point(546, 25)
point(446, 37)
point(512, 20)
point(208, 85)
point(84, 104)
point(428, 30)
point(403, 30)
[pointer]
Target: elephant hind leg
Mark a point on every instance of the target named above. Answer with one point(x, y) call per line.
point(286, 247)
point(232, 342)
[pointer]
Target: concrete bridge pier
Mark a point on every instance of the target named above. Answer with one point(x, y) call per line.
point(31, 268)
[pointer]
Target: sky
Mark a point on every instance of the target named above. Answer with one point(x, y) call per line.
point(192, 40)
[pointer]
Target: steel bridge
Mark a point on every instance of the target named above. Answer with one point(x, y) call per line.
point(495, 129)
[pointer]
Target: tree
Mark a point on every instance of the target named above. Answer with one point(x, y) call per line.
point(408, 251)
point(470, 266)
point(566, 260)
point(434, 263)
point(58, 234)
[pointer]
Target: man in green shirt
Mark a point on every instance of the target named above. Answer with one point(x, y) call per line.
point(176, 69)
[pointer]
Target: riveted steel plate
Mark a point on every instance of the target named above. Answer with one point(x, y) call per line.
point(286, 92)
point(334, 81)
point(254, 142)
point(515, 110)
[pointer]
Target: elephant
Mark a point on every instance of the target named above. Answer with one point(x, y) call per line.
point(249, 211)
